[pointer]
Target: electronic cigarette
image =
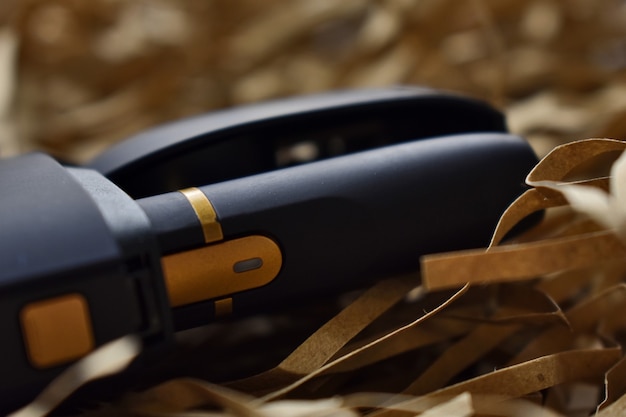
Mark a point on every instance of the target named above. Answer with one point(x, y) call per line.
point(175, 231)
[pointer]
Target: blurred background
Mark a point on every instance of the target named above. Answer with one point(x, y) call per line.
point(77, 76)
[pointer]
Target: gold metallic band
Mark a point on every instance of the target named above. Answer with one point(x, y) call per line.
point(206, 214)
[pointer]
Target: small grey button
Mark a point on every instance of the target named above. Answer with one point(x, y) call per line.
point(247, 265)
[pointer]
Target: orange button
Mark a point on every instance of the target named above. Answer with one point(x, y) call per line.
point(57, 330)
point(221, 269)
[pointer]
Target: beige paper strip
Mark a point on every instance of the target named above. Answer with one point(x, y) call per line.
point(608, 275)
point(412, 338)
point(521, 306)
point(389, 401)
point(535, 200)
point(615, 384)
point(185, 394)
point(510, 304)
point(490, 405)
point(563, 159)
point(616, 409)
point(516, 305)
point(482, 404)
point(459, 406)
point(537, 308)
point(553, 340)
point(528, 203)
point(554, 167)
point(565, 285)
point(520, 262)
point(541, 373)
point(106, 360)
point(528, 377)
point(459, 356)
point(583, 318)
point(328, 367)
point(586, 315)
point(326, 407)
point(330, 338)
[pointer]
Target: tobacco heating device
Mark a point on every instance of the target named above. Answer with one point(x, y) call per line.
point(238, 212)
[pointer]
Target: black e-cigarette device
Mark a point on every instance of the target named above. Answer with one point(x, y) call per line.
point(219, 215)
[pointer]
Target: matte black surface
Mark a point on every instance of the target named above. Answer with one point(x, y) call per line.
point(173, 220)
point(39, 200)
point(344, 222)
point(246, 140)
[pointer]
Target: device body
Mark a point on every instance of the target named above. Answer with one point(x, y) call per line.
point(344, 222)
point(83, 262)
